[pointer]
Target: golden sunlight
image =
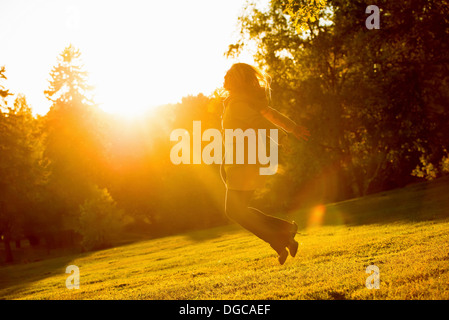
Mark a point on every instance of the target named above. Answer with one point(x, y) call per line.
point(138, 55)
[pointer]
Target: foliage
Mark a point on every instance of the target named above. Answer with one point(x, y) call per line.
point(74, 143)
point(23, 170)
point(304, 12)
point(3, 92)
point(69, 82)
point(374, 100)
point(148, 186)
point(100, 221)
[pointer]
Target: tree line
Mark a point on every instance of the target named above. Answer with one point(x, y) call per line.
point(375, 100)
point(80, 177)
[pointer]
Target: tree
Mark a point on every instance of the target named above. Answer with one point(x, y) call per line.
point(162, 197)
point(22, 172)
point(100, 221)
point(373, 99)
point(3, 92)
point(401, 70)
point(74, 141)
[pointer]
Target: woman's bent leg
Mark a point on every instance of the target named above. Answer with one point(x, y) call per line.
point(275, 231)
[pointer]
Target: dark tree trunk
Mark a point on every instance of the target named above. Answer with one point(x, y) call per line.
point(8, 252)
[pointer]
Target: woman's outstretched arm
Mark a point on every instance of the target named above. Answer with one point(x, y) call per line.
point(285, 123)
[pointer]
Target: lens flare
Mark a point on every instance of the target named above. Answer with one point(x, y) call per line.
point(316, 216)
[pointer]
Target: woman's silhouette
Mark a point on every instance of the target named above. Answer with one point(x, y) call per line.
point(247, 107)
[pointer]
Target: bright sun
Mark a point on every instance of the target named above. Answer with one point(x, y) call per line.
point(138, 54)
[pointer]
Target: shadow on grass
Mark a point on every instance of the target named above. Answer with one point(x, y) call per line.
point(15, 278)
point(425, 201)
point(19, 276)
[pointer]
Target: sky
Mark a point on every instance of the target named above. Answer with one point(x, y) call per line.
point(139, 54)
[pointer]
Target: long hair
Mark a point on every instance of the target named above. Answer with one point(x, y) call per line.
point(245, 79)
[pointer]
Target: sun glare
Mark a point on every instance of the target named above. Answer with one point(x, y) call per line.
point(139, 55)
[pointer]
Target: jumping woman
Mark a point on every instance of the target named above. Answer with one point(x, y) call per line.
point(247, 106)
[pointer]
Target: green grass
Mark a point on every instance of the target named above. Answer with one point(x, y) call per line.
point(403, 232)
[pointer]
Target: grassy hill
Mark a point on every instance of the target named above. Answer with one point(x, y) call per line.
point(404, 232)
